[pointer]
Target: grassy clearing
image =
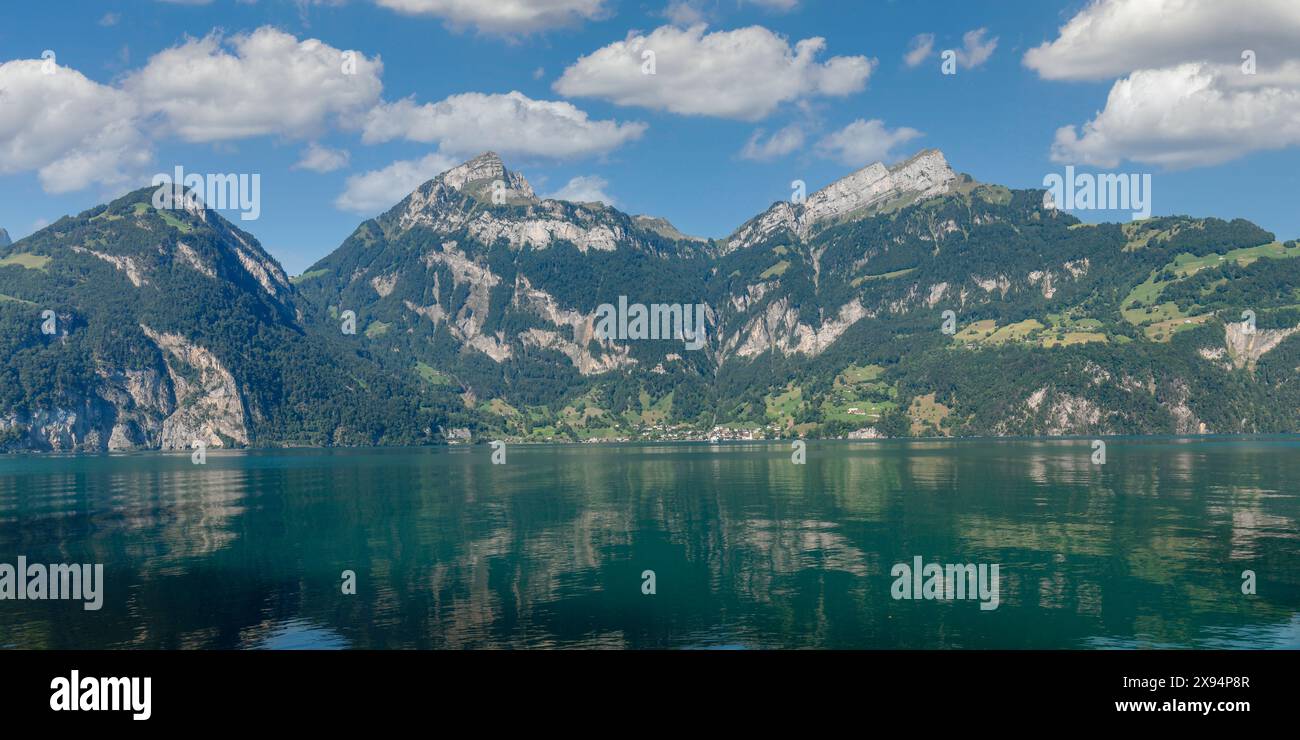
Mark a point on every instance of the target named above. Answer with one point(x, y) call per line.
point(1142, 307)
point(428, 374)
point(1072, 338)
point(883, 276)
point(27, 260)
point(174, 222)
point(988, 332)
point(499, 407)
point(927, 416)
point(855, 374)
point(312, 275)
point(859, 395)
point(776, 270)
point(1062, 332)
point(1165, 330)
point(784, 406)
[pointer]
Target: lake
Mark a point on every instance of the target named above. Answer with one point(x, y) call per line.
point(747, 549)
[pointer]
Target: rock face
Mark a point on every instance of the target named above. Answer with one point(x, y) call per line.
point(195, 400)
point(1245, 347)
point(779, 328)
point(4, 238)
point(171, 326)
point(123, 410)
point(209, 408)
point(923, 176)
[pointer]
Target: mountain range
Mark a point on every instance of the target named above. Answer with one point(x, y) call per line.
point(905, 300)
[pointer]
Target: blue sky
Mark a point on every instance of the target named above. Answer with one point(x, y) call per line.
point(674, 148)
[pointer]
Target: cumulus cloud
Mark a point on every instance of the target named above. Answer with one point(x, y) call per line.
point(685, 12)
point(863, 142)
point(781, 5)
point(510, 123)
point(73, 131)
point(742, 74)
point(1185, 98)
point(1191, 115)
point(322, 159)
point(503, 16)
point(919, 50)
point(263, 83)
point(585, 189)
point(762, 147)
point(371, 192)
point(1111, 38)
point(975, 50)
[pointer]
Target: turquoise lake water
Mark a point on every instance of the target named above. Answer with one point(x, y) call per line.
point(748, 549)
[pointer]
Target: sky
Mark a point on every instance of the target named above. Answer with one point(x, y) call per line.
point(341, 107)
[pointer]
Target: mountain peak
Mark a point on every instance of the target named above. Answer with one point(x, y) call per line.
point(483, 170)
point(925, 174)
point(4, 238)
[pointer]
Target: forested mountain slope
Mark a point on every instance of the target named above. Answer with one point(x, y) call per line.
point(899, 301)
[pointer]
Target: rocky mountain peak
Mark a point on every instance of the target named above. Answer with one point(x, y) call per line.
point(4, 238)
point(924, 175)
point(478, 174)
point(449, 200)
point(664, 227)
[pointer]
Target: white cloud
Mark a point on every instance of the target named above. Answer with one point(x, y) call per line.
point(585, 189)
point(685, 12)
point(781, 5)
point(1111, 38)
point(779, 144)
point(1191, 115)
point(272, 84)
point(863, 142)
point(743, 74)
point(975, 49)
point(1184, 99)
point(371, 192)
point(73, 131)
point(510, 123)
point(322, 159)
point(503, 16)
point(919, 50)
